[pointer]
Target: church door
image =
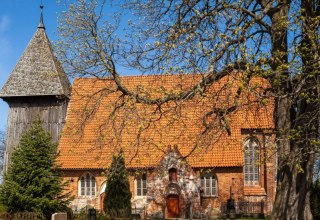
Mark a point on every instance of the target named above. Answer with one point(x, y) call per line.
point(173, 206)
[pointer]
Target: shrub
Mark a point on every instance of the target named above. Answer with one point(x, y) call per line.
point(118, 196)
point(33, 182)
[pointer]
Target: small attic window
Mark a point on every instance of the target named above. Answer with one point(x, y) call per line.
point(173, 174)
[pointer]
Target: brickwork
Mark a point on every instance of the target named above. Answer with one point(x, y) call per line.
point(72, 177)
point(230, 182)
point(226, 178)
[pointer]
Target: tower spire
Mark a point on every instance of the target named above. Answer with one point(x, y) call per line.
point(41, 25)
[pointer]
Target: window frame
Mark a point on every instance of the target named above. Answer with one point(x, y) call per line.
point(251, 157)
point(204, 179)
point(87, 186)
point(142, 181)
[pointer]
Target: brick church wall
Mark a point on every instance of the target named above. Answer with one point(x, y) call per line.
point(226, 178)
point(72, 177)
point(230, 180)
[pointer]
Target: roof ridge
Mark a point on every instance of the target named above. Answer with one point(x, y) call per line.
point(141, 76)
point(149, 76)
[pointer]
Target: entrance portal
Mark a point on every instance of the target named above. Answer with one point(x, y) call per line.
point(173, 206)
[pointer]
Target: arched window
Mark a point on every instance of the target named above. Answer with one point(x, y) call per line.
point(87, 185)
point(141, 185)
point(209, 185)
point(251, 162)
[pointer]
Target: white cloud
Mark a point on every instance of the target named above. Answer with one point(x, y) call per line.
point(5, 23)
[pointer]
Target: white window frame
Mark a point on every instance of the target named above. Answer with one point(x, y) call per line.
point(206, 183)
point(251, 166)
point(87, 185)
point(142, 181)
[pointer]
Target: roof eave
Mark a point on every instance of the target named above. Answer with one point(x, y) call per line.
point(28, 95)
point(147, 167)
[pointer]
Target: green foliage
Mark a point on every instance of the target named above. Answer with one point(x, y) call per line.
point(117, 202)
point(315, 199)
point(3, 208)
point(33, 182)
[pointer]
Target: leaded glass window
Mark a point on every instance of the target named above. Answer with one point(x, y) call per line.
point(251, 162)
point(87, 185)
point(209, 185)
point(141, 185)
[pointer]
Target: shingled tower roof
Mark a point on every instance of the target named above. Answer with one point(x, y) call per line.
point(38, 72)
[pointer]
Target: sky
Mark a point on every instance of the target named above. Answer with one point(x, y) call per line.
point(18, 22)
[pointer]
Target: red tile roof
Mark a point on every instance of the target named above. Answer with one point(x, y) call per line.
point(93, 133)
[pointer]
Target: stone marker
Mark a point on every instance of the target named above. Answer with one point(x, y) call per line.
point(59, 216)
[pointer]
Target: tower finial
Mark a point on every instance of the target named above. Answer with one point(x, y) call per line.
point(41, 25)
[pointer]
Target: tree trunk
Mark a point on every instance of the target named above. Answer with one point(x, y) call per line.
point(296, 155)
point(293, 192)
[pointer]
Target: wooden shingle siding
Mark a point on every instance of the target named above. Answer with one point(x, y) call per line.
point(24, 110)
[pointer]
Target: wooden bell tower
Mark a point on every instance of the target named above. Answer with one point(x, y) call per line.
point(37, 87)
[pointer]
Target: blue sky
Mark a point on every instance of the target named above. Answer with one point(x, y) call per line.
point(18, 22)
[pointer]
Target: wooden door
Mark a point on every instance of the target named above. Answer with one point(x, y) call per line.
point(173, 206)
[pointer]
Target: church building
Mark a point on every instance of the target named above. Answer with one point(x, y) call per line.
point(177, 160)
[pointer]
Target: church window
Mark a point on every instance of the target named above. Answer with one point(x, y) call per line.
point(87, 185)
point(251, 162)
point(209, 185)
point(141, 185)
